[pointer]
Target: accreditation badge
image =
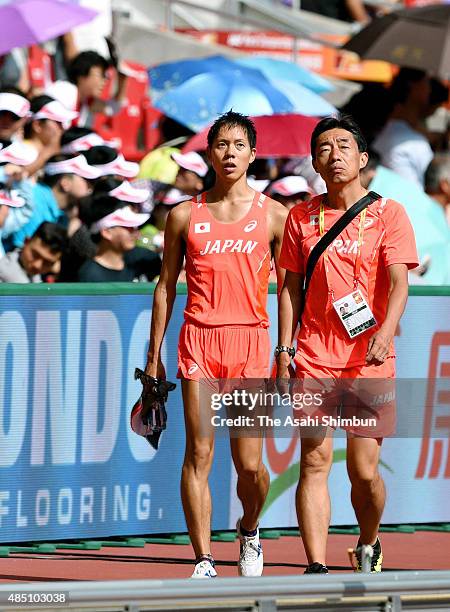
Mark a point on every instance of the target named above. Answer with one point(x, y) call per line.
point(354, 313)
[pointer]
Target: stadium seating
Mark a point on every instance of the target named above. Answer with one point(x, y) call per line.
point(134, 124)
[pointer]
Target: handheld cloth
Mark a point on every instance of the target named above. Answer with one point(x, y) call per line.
point(148, 416)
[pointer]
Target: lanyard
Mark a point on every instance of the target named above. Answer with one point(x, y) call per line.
point(358, 259)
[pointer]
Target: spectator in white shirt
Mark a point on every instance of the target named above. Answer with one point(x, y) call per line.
point(402, 143)
point(87, 74)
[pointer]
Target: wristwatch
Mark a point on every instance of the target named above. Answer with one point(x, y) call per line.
point(285, 349)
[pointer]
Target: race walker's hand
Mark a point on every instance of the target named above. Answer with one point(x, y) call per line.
point(284, 372)
point(378, 348)
point(148, 416)
point(155, 391)
point(156, 370)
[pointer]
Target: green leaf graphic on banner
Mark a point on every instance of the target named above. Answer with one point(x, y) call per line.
point(289, 478)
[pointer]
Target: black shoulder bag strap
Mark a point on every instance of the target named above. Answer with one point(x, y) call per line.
point(334, 232)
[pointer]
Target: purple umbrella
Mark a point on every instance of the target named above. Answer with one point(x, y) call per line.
point(26, 22)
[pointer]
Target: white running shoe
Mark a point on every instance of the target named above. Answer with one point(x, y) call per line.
point(204, 569)
point(251, 558)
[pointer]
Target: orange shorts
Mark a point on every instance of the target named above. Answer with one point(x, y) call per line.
point(223, 352)
point(361, 398)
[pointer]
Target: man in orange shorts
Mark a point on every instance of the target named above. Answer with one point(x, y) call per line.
point(362, 277)
point(227, 236)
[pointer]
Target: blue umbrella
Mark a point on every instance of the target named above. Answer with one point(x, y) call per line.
point(164, 77)
point(427, 218)
point(202, 98)
point(303, 100)
point(288, 71)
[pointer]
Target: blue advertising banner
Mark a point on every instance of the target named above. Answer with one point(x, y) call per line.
point(70, 466)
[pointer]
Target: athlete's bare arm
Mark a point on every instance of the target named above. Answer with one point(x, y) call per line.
point(175, 237)
point(357, 11)
point(276, 219)
point(381, 340)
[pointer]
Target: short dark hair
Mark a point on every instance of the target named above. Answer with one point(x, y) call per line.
point(99, 155)
point(230, 120)
point(52, 179)
point(38, 102)
point(438, 169)
point(374, 160)
point(105, 184)
point(343, 122)
point(438, 92)
point(73, 133)
point(13, 90)
point(81, 65)
point(101, 206)
point(52, 235)
point(401, 85)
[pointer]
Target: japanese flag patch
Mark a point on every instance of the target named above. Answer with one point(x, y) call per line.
point(202, 228)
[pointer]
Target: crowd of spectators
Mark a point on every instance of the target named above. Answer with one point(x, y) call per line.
point(67, 210)
point(72, 208)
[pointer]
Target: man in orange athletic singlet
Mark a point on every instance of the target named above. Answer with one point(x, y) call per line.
point(227, 235)
point(364, 270)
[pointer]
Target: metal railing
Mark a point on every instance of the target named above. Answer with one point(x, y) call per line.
point(393, 591)
point(298, 24)
point(237, 18)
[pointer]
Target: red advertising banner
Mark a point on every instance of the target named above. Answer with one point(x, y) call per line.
point(411, 3)
point(309, 54)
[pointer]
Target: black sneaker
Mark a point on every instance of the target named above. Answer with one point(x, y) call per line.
point(316, 568)
point(377, 558)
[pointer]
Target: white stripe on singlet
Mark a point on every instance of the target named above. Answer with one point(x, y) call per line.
point(261, 199)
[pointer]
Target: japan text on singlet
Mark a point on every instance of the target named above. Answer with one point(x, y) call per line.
point(227, 267)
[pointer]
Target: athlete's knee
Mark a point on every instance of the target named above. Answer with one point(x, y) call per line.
point(250, 470)
point(363, 475)
point(199, 456)
point(315, 462)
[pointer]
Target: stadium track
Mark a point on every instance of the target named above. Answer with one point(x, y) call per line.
point(421, 550)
